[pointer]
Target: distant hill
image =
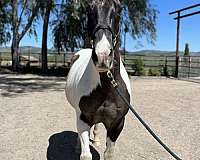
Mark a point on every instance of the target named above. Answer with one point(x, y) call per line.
point(152, 52)
point(5, 49)
point(27, 49)
point(24, 49)
point(158, 52)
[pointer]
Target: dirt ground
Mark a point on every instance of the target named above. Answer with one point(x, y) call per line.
point(37, 123)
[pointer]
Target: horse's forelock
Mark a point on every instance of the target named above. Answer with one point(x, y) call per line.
point(105, 2)
point(100, 11)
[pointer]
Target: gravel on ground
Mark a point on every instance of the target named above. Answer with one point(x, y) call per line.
point(37, 122)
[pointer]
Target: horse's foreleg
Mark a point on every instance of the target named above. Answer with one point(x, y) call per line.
point(112, 135)
point(96, 140)
point(84, 130)
point(109, 153)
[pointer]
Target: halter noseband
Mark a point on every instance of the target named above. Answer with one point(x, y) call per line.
point(104, 27)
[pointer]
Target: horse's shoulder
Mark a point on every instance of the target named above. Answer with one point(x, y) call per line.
point(85, 52)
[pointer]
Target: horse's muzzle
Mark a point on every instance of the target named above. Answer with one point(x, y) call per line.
point(104, 63)
point(102, 68)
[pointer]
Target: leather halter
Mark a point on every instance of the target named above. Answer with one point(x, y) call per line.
point(104, 27)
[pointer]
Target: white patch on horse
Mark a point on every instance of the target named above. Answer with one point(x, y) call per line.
point(103, 46)
point(109, 153)
point(82, 78)
point(125, 77)
point(84, 130)
point(96, 140)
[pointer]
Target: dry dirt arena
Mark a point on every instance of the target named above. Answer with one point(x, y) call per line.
point(37, 123)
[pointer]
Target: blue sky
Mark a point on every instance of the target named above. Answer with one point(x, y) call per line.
point(166, 29)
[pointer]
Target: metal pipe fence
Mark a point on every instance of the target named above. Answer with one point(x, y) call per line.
point(33, 59)
point(189, 66)
point(151, 65)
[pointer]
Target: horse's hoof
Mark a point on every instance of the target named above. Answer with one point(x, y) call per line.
point(108, 157)
point(86, 157)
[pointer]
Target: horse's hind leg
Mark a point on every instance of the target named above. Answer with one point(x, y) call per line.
point(84, 130)
point(112, 135)
point(96, 140)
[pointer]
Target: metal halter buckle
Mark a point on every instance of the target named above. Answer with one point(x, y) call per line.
point(111, 78)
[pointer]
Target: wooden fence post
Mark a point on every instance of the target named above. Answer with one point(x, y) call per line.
point(189, 63)
point(166, 69)
point(177, 44)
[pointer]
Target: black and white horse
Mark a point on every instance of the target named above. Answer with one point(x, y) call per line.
point(88, 88)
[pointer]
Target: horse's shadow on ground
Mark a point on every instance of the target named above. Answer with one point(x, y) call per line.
point(66, 146)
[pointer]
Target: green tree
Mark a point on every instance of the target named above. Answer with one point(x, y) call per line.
point(4, 22)
point(139, 16)
point(45, 9)
point(24, 15)
point(68, 28)
point(187, 50)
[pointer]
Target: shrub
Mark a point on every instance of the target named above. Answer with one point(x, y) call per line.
point(154, 72)
point(138, 67)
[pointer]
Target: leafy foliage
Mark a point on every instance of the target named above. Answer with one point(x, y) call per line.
point(24, 16)
point(140, 17)
point(68, 29)
point(19, 17)
point(5, 35)
point(138, 67)
point(154, 72)
point(137, 17)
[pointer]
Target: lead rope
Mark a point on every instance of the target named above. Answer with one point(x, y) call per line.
point(115, 85)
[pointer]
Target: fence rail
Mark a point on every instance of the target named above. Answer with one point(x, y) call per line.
point(189, 66)
point(150, 64)
point(34, 59)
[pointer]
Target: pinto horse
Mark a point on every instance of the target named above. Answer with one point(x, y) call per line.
point(88, 88)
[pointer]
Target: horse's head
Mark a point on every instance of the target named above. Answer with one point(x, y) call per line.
point(103, 27)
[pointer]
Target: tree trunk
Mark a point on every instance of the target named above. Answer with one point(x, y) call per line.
point(15, 55)
point(45, 35)
point(15, 39)
point(16, 21)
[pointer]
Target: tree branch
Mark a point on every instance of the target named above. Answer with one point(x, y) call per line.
point(30, 20)
point(20, 18)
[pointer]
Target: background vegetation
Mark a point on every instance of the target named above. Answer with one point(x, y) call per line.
point(68, 21)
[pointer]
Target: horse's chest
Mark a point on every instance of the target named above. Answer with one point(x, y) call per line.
point(102, 105)
point(93, 102)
